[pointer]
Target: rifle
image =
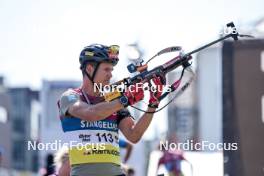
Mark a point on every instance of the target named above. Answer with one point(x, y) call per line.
point(146, 75)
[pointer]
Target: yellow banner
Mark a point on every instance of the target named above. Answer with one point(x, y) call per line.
point(89, 154)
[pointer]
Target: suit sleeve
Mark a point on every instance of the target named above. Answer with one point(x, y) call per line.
point(67, 99)
point(122, 114)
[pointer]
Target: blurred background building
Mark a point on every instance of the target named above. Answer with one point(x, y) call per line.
point(209, 91)
point(22, 100)
point(5, 127)
point(182, 112)
point(19, 123)
point(50, 128)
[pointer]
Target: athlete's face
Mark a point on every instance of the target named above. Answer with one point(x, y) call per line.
point(104, 73)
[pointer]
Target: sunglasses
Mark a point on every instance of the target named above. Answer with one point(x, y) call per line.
point(113, 51)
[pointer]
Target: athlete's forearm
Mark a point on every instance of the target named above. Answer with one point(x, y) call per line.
point(141, 126)
point(105, 109)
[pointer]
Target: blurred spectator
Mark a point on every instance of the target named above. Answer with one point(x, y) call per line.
point(128, 170)
point(172, 159)
point(49, 165)
point(172, 162)
point(62, 163)
point(126, 145)
point(1, 156)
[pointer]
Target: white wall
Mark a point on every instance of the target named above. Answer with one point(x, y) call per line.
point(209, 91)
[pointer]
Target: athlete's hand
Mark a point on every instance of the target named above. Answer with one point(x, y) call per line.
point(156, 91)
point(134, 93)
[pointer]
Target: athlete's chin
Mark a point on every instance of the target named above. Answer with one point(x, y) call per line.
point(107, 82)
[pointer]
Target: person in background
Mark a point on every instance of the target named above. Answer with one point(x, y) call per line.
point(1, 157)
point(172, 159)
point(128, 170)
point(62, 163)
point(126, 145)
point(172, 162)
point(49, 165)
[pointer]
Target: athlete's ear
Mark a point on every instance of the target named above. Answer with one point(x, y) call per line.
point(89, 69)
